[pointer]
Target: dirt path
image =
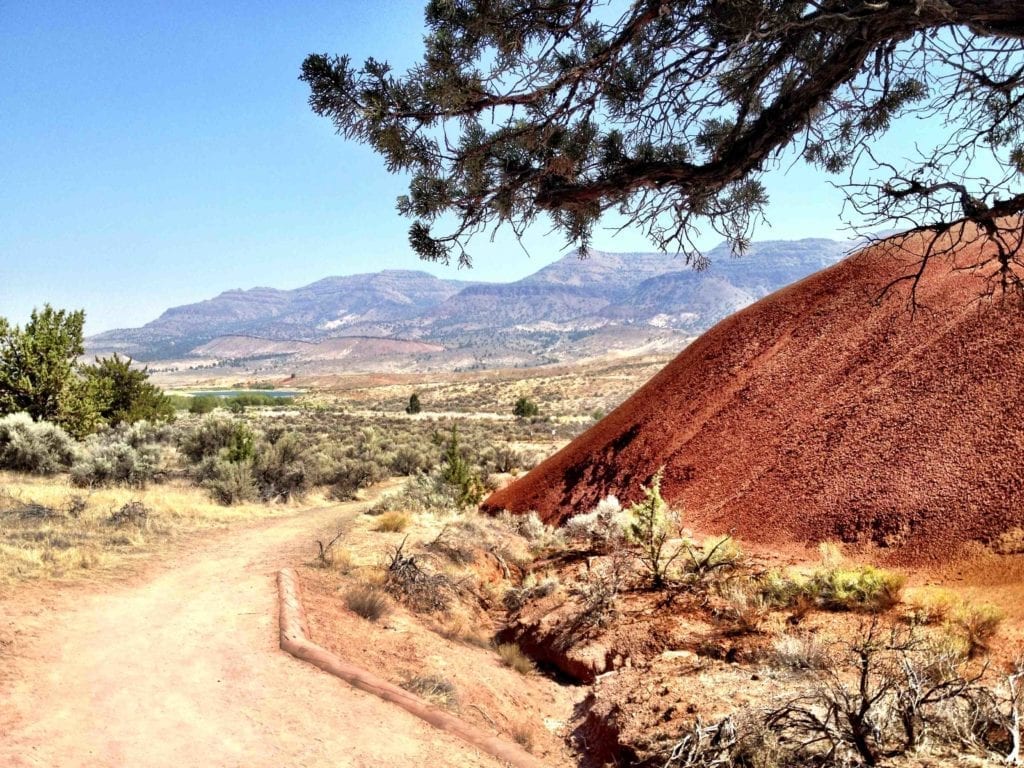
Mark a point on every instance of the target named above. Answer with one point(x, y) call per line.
point(181, 667)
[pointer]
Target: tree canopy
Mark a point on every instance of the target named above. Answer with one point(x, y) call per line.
point(38, 370)
point(123, 393)
point(670, 111)
point(40, 375)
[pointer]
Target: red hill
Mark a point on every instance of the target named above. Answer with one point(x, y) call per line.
point(820, 414)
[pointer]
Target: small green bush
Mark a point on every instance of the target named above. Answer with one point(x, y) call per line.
point(863, 588)
point(214, 434)
point(525, 408)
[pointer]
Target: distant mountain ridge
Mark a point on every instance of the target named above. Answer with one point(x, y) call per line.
point(568, 309)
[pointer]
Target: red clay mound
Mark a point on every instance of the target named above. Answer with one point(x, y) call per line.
point(818, 414)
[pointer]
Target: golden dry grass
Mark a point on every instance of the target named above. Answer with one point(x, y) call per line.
point(43, 536)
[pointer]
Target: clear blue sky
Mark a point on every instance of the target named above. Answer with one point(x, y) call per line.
point(154, 153)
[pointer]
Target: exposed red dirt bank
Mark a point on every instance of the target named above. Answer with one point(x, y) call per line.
point(818, 414)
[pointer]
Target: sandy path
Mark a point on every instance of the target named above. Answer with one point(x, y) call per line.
point(180, 667)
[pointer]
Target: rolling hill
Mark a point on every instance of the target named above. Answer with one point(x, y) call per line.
point(819, 414)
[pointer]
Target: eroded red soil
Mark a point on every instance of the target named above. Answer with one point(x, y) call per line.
point(821, 414)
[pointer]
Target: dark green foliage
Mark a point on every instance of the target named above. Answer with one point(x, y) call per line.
point(414, 406)
point(457, 472)
point(37, 371)
point(525, 408)
point(215, 434)
point(652, 527)
point(202, 404)
point(36, 447)
point(123, 394)
point(238, 403)
point(669, 112)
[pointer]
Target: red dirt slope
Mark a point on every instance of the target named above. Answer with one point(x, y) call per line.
point(818, 414)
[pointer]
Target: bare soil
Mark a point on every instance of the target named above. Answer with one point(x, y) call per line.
point(180, 665)
point(455, 650)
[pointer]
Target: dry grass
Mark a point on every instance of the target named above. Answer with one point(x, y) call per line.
point(50, 529)
point(435, 689)
point(368, 601)
point(522, 734)
point(513, 658)
point(392, 522)
point(462, 629)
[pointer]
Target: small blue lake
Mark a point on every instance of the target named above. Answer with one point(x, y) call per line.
point(237, 392)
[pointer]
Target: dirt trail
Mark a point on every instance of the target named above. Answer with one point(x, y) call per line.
point(181, 667)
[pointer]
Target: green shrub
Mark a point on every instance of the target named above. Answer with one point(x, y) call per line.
point(203, 404)
point(352, 475)
point(39, 448)
point(107, 461)
point(231, 482)
point(650, 530)
point(239, 403)
point(280, 469)
point(865, 588)
point(862, 588)
point(123, 393)
point(212, 435)
point(525, 408)
point(457, 472)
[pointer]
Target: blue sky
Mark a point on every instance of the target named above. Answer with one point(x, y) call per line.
point(153, 154)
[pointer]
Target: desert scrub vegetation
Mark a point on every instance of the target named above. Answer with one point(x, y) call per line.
point(512, 656)
point(433, 688)
point(970, 627)
point(881, 694)
point(38, 448)
point(368, 601)
point(392, 522)
point(837, 588)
